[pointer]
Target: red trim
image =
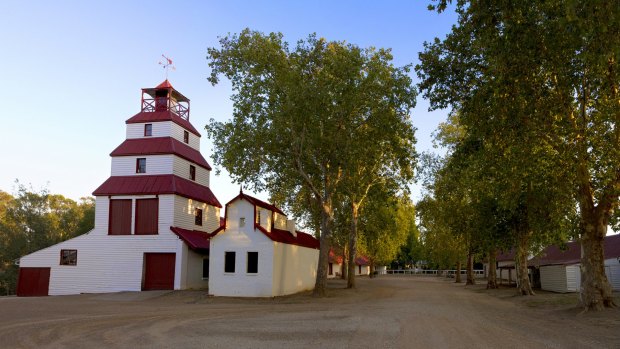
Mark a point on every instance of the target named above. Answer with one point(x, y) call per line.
point(256, 202)
point(195, 239)
point(155, 185)
point(159, 146)
point(285, 236)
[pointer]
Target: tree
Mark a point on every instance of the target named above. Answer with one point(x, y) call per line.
point(33, 220)
point(539, 82)
point(386, 221)
point(291, 110)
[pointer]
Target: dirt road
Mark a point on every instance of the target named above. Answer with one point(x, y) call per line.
point(387, 312)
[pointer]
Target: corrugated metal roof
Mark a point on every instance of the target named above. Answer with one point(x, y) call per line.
point(572, 255)
point(256, 202)
point(284, 236)
point(196, 240)
point(160, 145)
point(157, 184)
point(164, 115)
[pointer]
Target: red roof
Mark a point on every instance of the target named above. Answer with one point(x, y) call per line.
point(335, 258)
point(572, 255)
point(164, 115)
point(285, 236)
point(196, 240)
point(256, 202)
point(160, 145)
point(158, 184)
point(165, 84)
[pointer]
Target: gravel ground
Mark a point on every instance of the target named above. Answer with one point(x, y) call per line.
point(386, 312)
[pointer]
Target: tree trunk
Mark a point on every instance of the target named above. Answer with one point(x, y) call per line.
point(372, 269)
point(470, 269)
point(326, 236)
point(596, 293)
point(352, 245)
point(523, 246)
point(345, 262)
point(457, 276)
point(492, 277)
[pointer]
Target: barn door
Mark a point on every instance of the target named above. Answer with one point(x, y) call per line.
point(33, 282)
point(158, 271)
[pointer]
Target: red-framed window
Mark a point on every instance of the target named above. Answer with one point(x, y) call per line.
point(198, 216)
point(147, 211)
point(148, 130)
point(120, 217)
point(185, 136)
point(192, 172)
point(141, 165)
point(68, 257)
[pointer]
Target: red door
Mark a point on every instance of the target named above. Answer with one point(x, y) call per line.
point(33, 282)
point(158, 271)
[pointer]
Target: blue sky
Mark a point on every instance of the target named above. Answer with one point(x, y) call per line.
point(71, 72)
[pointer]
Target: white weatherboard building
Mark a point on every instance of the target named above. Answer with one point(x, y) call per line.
point(260, 254)
point(154, 220)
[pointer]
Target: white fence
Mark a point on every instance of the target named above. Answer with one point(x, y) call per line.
point(446, 273)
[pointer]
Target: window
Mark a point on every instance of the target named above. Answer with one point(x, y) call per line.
point(198, 216)
point(120, 217)
point(192, 172)
point(185, 136)
point(359, 269)
point(331, 269)
point(241, 222)
point(68, 257)
point(148, 130)
point(252, 262)
point(229, 262)
point(146, 216)
point(205, 268)
point(141, 165)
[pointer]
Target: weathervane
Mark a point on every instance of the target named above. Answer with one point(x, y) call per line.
point(167, 64)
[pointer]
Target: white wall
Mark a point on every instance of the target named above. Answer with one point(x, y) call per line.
point(240, 240)
point(560, 278)
point(109, 263)
point(337, 271)
point(184, 215)
point(613, 275)
point(163, 129)
point(155, 165)
point(193, 272)
point(294, 268)
point(181, 169)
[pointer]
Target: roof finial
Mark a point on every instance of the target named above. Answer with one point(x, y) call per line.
point(167, 64)
point(240, 189)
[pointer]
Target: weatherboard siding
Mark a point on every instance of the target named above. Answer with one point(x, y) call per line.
point(181, 169)
point(177, 133)
point(184, 215)
point(560, 278)
point(155, 165)
point(159, 129)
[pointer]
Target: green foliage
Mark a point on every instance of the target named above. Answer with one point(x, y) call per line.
point(31, 221)
point(321, 122)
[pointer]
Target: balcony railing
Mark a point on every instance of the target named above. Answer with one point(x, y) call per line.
point(164, 103)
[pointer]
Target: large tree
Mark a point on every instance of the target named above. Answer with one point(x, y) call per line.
point(540, 81)
point(296, 111)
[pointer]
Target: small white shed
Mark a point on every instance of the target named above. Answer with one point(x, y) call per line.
point(259, 253)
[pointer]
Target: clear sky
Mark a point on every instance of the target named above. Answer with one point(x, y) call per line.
point(71, 72)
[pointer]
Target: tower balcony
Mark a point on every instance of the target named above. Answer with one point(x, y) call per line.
point(165, 98)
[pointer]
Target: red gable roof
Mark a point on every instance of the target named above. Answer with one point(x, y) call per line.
point(285, 236)
point(196, 240)
point(160, 145)
point(256, 202)
point(572, 255)
point(158, 184)
point(335, 258)
point(164, 115)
